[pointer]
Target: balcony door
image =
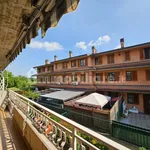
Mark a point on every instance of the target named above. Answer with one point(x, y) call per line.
point(146, 103)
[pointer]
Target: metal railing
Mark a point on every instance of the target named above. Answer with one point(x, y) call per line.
point(65, 134)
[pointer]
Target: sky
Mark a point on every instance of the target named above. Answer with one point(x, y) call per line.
point(101, 23)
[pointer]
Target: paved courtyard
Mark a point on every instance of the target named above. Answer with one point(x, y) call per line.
point(140, 120)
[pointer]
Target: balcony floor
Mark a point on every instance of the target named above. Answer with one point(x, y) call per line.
point(10, 138)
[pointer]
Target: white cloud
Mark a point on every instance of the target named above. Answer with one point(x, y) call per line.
point(81, 45)
point(31, 72)
point(100, 41)
point(48, 46)
point(117, 47)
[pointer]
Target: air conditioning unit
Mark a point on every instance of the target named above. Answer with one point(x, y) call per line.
point(59, 83)
point(75, 83)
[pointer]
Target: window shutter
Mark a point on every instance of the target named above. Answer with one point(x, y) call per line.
point(112, 58)
point(78, 63)
point(106, 76)
point(108, 59)
point(101, 76)
point(127, 56)
point(136, 98)
point(86, 61)
point(134, 75)
point(117, 76)
point(148, 75)
point(141, 54)
point(100, 60)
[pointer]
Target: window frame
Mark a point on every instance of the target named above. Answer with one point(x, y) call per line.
point(127, 56)
point(83, 77)
point(134, 100)
point(147, 76)
point(127, 77)
point(133, 76)
point(64, 78)
point(114, 78)
point(74, 76)
point(73, 62)
point(110, 58)
point(147, 54)
point(84, 62)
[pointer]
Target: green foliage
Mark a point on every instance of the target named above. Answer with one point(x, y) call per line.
point(19, 82)
point(31, 95)
point(142, 148)
point(93, 141)
point(55, 118)
point(9, 79)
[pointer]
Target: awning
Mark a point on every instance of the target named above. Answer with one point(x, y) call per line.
point(94, 99)
point(63, 95)
point(24, 22)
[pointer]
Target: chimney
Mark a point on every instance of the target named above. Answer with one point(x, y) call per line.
point(55, 58)
point(93, 50)
point(122, 42)
point(70, 54)
point(47, 62)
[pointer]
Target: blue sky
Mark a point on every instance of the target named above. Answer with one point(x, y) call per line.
point(95, 22)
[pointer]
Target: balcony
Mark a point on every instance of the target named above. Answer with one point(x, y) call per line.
point(41, 131)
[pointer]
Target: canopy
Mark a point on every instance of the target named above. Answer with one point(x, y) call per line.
point(63, 95)
point(94, 99)
point(20, 21)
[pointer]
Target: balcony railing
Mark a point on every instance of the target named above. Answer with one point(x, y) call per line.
point(65, 135)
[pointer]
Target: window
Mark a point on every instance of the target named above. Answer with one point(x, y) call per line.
point(98, 60)
point(83, 78)
point(127, 56)
point(131, 76)
point(48, 79)
point(99, 76)
point(43, 69)
point(111, 76)
point(64, 65)
point(82, 62)
point(133, 98)
point(74, 78)
point(148, 75)
point(64, 78)
point(147, 53)
point(52, 78)
point(39, 70)
point(110, 58)
point(73, 63)
point(41, 79)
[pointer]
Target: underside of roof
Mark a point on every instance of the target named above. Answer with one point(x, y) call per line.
point(20, 21)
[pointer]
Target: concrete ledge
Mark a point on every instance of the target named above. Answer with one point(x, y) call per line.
point(34, 139)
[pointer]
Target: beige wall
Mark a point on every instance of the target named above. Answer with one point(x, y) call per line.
point(30, 137)
point(140, 106)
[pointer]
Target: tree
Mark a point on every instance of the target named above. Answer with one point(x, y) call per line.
point(9, 79)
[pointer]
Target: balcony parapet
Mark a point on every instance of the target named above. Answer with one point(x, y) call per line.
point(62, 136)
point(129, 64)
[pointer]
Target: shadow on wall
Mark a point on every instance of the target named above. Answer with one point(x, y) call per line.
point(9, 135)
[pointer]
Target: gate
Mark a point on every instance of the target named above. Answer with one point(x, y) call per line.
point(132, 134)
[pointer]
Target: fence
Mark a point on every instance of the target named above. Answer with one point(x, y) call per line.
point(92, 120)
point(116, 110)
point(132, 134)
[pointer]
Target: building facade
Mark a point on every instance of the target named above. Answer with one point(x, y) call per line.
point(124, 71)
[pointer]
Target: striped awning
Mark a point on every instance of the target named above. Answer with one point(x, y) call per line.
point(46, 14)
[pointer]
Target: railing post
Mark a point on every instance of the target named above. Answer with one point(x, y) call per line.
point(28, 108)
point(74, 143)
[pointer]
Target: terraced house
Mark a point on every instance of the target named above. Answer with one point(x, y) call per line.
point(124, 71)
